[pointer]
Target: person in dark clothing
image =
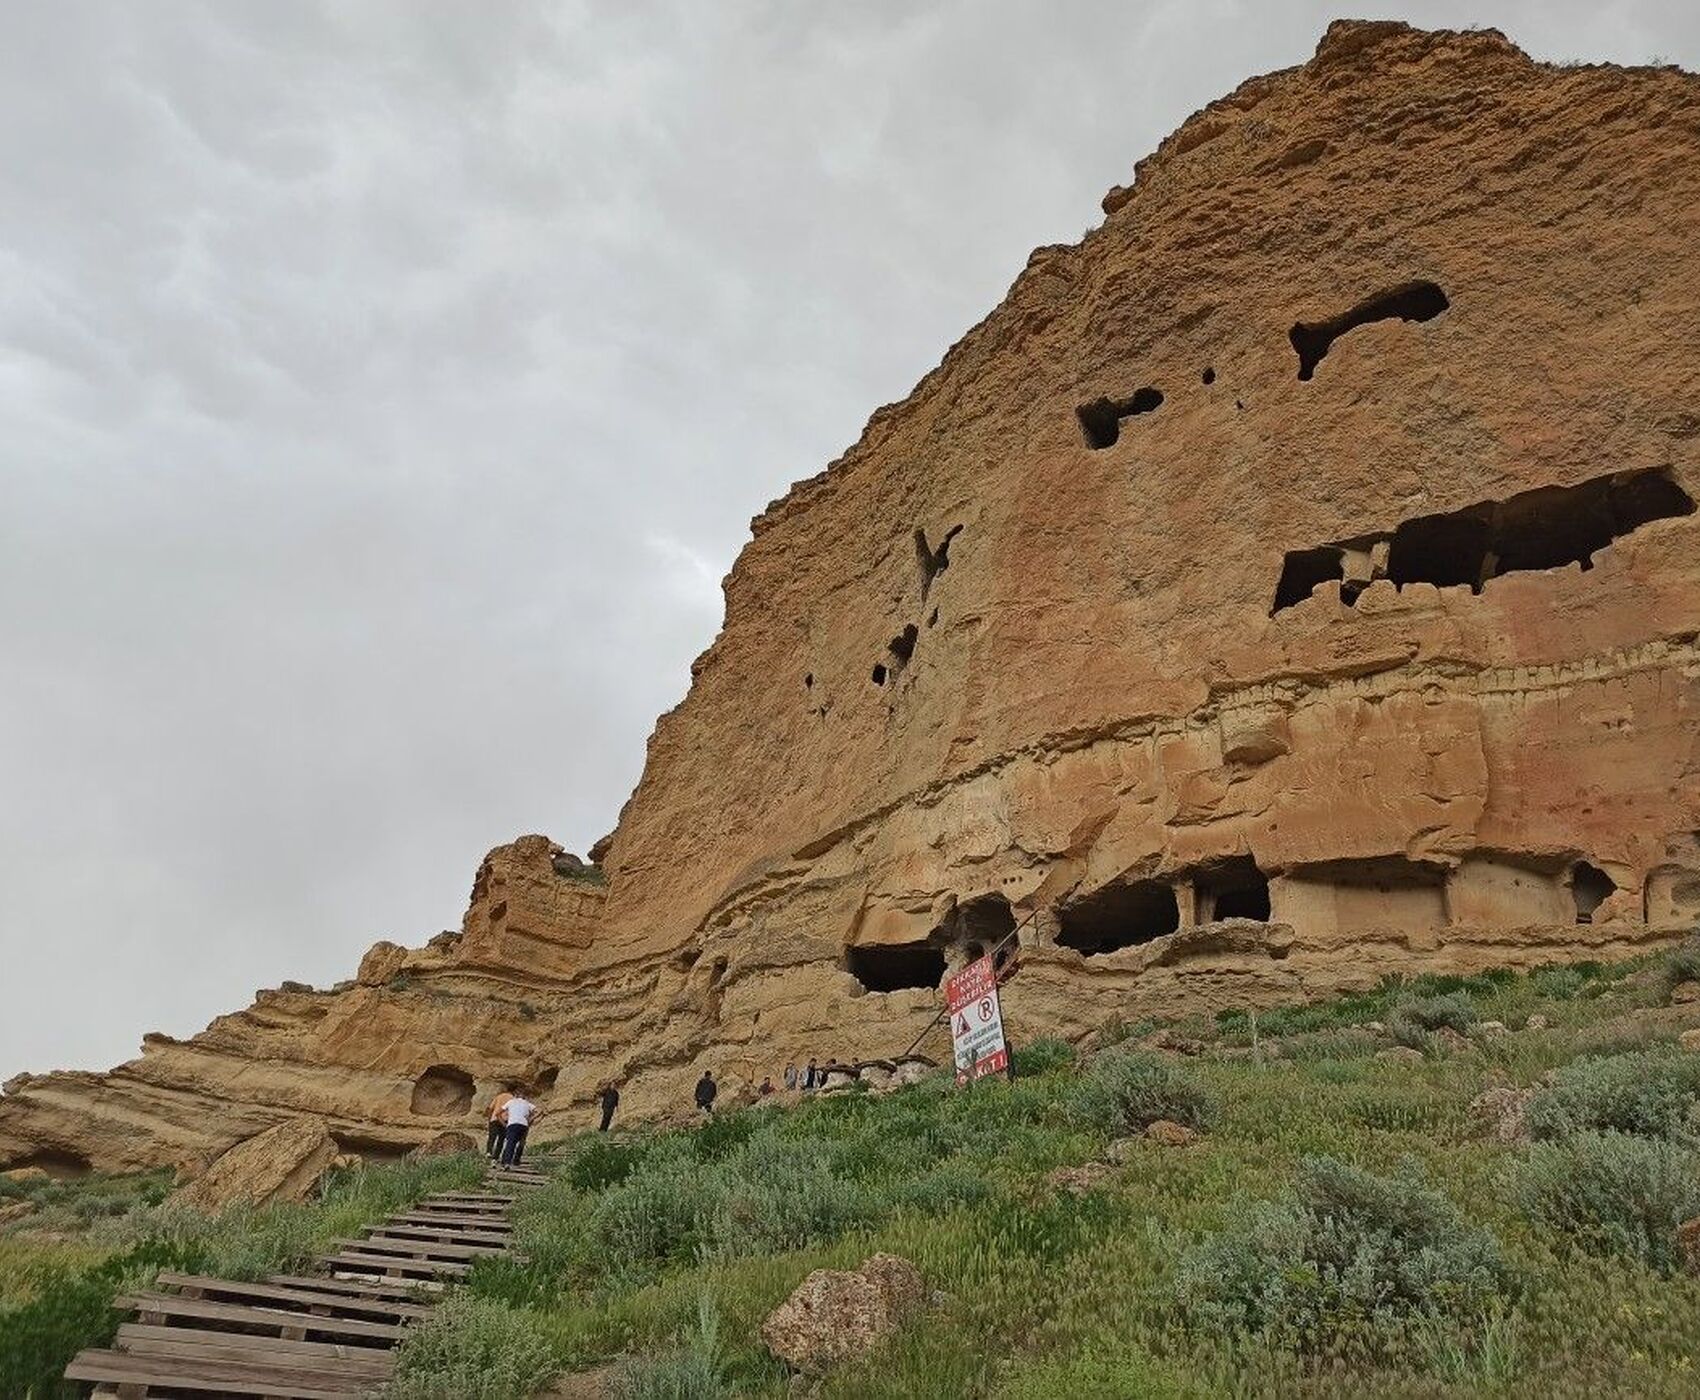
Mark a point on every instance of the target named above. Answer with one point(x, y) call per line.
point(521, 1113)
point(811, 1077)
point(610, 1097)
point(706, 1091)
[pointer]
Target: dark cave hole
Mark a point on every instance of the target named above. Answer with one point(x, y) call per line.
point(58, 1163)
point(1209, 375)
point(1101, 420)
point(933, 562)
point(1119, 915)
point(1303, 572)
point(443, 1089)
point(1590, 887)
point(809, 681)
point(892, 967)
point(1550, 527)
point(1410, 301)
point(902, 646)
point(879, 674)
point(1235, 889)
point(933, 618)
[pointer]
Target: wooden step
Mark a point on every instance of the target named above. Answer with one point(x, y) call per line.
point(473, 1198)
point(139, 1339)
point(482, 1232)
point(400, 1290)
point(155, 1308)
point(363, 1261)
point(429, 1220)
point(136, 1375)
point(380, 1243)
point(278, 1296)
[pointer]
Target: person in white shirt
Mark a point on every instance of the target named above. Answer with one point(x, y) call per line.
point(519, 1113)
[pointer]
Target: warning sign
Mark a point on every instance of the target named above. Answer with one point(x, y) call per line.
point(976, 1021)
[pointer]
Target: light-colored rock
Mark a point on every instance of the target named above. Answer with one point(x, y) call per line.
point(1087, 696)
point(1685, 993)
point(1400, 1054)
point(1170, 1134)
point(837, 1315)
point(15, 1210)
point(447, 1144)
point(1690, 1039)
point(284, 1163)
point(1499, 1113)
point(27, 1175)
point(1451, 1041)
point(1488, 1030)
point(1537, 1022)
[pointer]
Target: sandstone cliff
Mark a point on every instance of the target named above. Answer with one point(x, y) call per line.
point(1292, 583)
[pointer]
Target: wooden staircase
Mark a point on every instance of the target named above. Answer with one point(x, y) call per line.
point(311, 1336)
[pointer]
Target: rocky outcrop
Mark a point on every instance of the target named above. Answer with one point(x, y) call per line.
point(836, 1315)
point(1292, 583)
point(281, 1164)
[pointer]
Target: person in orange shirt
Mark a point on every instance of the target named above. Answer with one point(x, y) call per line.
point(498, 1124)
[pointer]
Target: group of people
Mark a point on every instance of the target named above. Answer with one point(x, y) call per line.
point(511, 1117)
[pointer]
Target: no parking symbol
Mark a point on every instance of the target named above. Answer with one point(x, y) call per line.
point(976, 1021)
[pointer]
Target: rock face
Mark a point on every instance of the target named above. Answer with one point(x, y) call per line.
point(281, 1164)
point(836, 1315)
point(1293, 582)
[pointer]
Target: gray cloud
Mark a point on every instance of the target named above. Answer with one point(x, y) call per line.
point(384, 389)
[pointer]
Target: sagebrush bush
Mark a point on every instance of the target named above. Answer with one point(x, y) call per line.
point(1345, 1260)
point(1648, 1093)
point(471, 1349)
point(1683, 964)
point(691, 1370)
point(1126, 1092)
point(1043, 1057)
point(1612, 1193)
point(1412, 1020)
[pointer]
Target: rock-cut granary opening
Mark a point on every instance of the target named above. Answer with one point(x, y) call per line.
point(443, 1090)
point(893, 967)
point(1118, 915)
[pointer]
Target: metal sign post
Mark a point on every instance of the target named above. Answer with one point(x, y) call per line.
point(976, 1021)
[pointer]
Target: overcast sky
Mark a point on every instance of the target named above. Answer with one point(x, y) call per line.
point(386, 388)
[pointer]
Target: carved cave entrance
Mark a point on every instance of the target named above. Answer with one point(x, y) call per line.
point(1590, 887)
point(892, 967)
point(443, 1090)
point(1235, 889)
point(1119, 915)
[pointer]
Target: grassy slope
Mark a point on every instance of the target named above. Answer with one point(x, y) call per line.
point(669, 1249)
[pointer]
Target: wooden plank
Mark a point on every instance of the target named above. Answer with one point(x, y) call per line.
point(274, 1295)
point(140, 1339)
point(380, 1243)
point(153, 1308)
point(353, 1261)
point(500, 1244)
point(398, 1289)
point(209, 1377)
point(477, 1198)
point(490, 1225)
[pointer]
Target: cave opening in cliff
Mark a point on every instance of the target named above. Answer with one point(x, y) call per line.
point(1410, 301)
point(545, 1079)
point(1101, 420)
point(878, 676)
point(1303, 572)
point(1118, 915)
point(1235, 889)
point(443, 1089)
point(1445, 550)
point(1549, 527)
point(1590, 887)
point(933, 562)
point(902, 646)
point(59, 1163)
point(894, 967)
point(371, 1149)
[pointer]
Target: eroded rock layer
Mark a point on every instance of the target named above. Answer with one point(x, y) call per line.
point(1297, 581)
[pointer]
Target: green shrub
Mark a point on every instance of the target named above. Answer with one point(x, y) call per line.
point(1683, 964)
point(692, 1370)
point(1043, 1057)
point(1647, 1093)
point(1412, 1021)
point(1612, 1194)
point(1557, 983)
point(657, 1213)
point(1346, 1260)
point(471, 1349)
point(1126, 1092)
point(780, 1202)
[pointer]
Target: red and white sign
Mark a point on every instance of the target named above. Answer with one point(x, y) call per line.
point(976, 1021)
